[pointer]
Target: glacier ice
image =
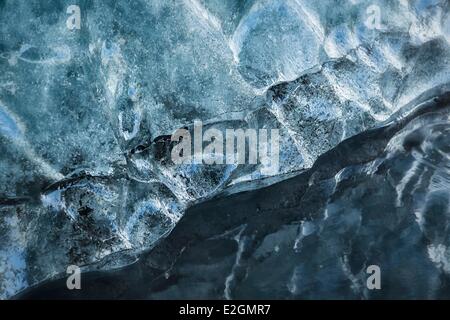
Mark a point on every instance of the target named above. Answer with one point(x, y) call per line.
point(85, 117)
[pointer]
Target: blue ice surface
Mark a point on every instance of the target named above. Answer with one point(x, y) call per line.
point(8, 126)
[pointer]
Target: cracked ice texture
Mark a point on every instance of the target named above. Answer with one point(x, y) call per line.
point(75, 103)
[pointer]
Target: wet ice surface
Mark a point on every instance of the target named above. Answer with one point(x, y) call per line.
point(379, 198)
point(85, 176)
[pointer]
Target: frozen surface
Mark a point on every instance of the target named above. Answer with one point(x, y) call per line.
point(379, 198)
point(85, 170)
